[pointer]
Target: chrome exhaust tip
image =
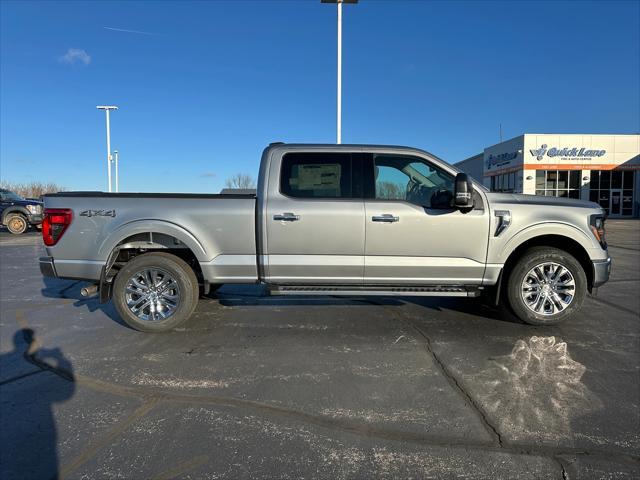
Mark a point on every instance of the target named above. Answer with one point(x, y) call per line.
point(88, 291)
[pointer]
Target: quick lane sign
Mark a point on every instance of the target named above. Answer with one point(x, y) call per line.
point(569, 153)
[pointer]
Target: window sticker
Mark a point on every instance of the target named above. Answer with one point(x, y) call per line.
point(316, 177)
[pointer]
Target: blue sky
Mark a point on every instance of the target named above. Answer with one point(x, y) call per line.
point(203, 86)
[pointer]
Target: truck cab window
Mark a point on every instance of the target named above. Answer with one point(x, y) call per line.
point(316, 175)
point(400, 177)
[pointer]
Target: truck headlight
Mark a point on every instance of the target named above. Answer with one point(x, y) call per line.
point(596, 224)
point(33, 209)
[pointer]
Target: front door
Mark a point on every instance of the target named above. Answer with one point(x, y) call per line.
point(615, 202)
point(315, 220)
point(413, 236)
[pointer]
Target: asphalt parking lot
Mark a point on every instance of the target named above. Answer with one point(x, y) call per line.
point(263, 387)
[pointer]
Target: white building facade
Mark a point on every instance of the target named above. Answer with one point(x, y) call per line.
point(600, 168)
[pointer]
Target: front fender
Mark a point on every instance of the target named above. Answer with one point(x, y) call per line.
point(500, 251)
point(152, 226)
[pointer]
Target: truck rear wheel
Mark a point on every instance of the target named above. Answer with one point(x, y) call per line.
point(16, 223)
point(546, 286)
point(155, 292)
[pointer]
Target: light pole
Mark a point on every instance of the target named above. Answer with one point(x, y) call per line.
point(108, 108)
point(339, 96)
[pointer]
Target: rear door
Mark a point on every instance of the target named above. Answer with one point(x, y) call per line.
point(413, 236)
point(315, 219)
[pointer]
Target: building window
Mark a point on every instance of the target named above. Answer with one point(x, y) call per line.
point(504, 182)
point(558, 183)
point(613, 190)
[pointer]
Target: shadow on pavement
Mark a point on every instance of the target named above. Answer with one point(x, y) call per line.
point(28, 433)
point(70, 289)
point(255, 295)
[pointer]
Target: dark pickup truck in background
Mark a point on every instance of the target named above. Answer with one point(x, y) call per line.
point(17, 213)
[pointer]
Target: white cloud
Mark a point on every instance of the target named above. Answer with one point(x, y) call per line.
point(75, 55)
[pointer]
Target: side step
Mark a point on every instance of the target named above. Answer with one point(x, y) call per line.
point(383, 290)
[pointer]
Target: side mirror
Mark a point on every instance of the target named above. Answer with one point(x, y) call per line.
point(463, 192)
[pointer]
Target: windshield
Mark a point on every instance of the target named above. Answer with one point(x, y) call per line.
point(11, 196)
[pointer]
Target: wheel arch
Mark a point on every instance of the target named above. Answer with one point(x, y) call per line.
point(561, 242)
point(145, 230)
point(14, 209)
point(137, 239)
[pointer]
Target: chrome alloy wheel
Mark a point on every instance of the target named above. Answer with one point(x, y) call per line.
point(548, 288)
point(152, 295)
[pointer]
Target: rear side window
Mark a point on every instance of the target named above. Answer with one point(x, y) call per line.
point(317, 175)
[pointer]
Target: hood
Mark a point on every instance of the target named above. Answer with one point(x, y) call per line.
point(542, 201)
point(26, 202)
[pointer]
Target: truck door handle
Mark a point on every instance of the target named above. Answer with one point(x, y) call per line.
point(286, 217)
point(387, 218)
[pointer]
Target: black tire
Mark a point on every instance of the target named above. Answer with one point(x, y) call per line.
point(16, 223)
point(187, 288)
point(535, 257)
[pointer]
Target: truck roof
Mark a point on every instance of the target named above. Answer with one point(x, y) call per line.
point(352, 147)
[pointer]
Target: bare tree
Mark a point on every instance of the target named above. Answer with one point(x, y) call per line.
point(31, 189)
point(390, 190)
point(240, 180)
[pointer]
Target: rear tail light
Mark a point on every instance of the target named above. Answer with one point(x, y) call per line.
point(54, 224)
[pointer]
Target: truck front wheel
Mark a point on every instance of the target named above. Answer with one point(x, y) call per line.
point(16, 223)
point(546, 286)
point(155, 292)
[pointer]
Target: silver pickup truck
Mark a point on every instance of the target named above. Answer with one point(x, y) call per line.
point(330, 220)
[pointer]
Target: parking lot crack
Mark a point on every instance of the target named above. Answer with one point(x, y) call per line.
point(491, 429)
point(453, 381)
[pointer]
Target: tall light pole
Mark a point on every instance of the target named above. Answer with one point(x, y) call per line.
point(339, 96)
point(107, 109)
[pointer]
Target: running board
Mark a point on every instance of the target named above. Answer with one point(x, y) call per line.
point(355, 290)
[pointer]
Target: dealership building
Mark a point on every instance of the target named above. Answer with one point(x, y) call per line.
point(600, 168)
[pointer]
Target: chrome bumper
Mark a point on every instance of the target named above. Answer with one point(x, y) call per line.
point(601, 272)
point(47, 267)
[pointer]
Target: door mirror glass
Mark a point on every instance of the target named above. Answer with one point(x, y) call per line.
point(463, 194)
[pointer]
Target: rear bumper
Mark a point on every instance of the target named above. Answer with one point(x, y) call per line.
point(47, 268)
point(76, 269)
point(601, 272)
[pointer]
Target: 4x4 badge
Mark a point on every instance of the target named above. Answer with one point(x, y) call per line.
point(98, 213)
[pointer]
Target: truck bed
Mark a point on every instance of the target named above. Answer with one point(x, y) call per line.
point(218, 229)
